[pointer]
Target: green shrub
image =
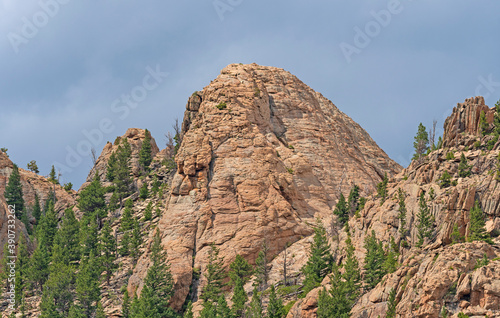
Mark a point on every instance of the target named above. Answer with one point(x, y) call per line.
point(289, 306)
point(68, 186)
point(221, 106)
point(484, 261)
point(450, 155)
point(445, 180)
point(256, 91)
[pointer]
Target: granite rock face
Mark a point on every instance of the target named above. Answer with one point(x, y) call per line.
point(32, 184)
point(440, 274)
point(135, 137)
point(262, 154)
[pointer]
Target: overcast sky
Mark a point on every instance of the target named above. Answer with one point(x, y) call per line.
point(67, 66)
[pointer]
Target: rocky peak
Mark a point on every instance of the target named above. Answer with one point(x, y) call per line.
point(465, 120)
point(135, 137)
point(262, 154)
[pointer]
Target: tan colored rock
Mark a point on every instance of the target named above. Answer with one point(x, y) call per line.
point(465, 119)
point(450, 206)
point(32, 184)
point(135, 137)
point(262, 154)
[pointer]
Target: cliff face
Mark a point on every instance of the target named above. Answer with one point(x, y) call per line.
point(262, 154)
point(32, 184)
point(440, 274)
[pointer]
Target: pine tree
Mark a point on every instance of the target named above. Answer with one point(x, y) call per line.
point(39, 267)
point(477, 230)
point(335, 302)
point(87, 284)
point(223, 310)
point(456, 237)
point(262, 268)
point(255, 308)
point(496, 119)
point(239, 272)
point(58, 290)
point(425, 221)
point(215, 275)
point(111, 168)
point(22, 270)
point(439, 143)
point(37, 210)
point(464, 170)
point(99, 313)
point(144, 192)
point(108, 251)
point(391, 257)
point(351, 275)
point(122, 177)
point(32, 166)
point(391, 304)
point(158, 284)
point(27, 224)
point(126, 305)
point(209, 310)
point(135, 307)
point(4, 268)
point(135, 241)
point(353, 200)
point(145, 157)
point(91, 199)
point(275, 308)
point(156, 185)
point(14, 192)
point(47, 229)
point(67, 238)
point(127, 221)
point(382, 189)
point(53, 176)
point(189, 311)
point(125, 245)
point(148, 212)
point(483, 124)
point(48, 307)
point(239, 298)
point(89, 238)
point(240, 269)
point(374, 260)
point(341, 210)
point(445, 180)
point(421, 142)
point(402, 213)
point(320, 259)
point(51, 198)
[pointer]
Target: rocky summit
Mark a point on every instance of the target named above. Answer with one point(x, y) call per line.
point(264, 171)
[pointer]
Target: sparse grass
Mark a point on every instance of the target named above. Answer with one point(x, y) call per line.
point(290, 170)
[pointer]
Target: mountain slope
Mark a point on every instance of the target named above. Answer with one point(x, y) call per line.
point(262, 154)
point(439, 274)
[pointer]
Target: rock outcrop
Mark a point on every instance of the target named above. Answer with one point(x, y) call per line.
point(135, 137)
point(262, 154)
point(32, 184)
point(464, 120)
point(428, 277)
